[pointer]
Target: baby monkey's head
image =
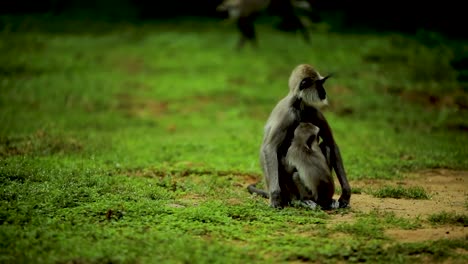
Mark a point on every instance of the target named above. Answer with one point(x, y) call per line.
point(306, 133)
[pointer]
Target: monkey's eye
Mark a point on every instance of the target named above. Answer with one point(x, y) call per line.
point(305, 83)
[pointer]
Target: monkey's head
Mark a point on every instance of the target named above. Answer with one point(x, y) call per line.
point(231, 6)
point(307, 84)
point(307, 133)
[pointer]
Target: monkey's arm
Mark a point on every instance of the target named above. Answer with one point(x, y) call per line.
point(288, 167)
point(336, 160)
point(337, 164)
point(269, 155)
point(274, 136)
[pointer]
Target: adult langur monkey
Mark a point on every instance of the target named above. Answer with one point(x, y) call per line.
point(302, 104)
point(245, 12)
point(309, 168)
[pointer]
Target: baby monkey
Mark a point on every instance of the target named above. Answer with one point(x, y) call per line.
point(310, 169)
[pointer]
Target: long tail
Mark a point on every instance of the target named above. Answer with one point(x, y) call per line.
point(252, 189)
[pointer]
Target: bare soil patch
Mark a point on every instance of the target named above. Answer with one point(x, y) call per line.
point(447, 188)
point(448, 191)
point(425, 234)
point(140, 107)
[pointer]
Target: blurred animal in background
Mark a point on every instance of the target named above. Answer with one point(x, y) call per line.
point(245, 13)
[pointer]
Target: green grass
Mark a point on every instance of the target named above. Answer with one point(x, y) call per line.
point(372, 225)
point(133, 143)
point(398, 192)
point(450, 218)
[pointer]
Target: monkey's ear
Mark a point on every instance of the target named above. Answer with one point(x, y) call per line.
point(325, 78)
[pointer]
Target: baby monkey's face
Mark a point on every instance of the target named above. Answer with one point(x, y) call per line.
point(306, 133)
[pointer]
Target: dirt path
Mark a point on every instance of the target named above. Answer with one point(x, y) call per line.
point(449, 193)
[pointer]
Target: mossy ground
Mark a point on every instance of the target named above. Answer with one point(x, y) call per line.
point(134, 142)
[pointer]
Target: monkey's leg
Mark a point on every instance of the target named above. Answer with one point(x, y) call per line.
point(305, 35)
point(247, 29)
point(272, 172)
point(292, 23)
point(327, 153)
point(302, 191)
point(305, 195)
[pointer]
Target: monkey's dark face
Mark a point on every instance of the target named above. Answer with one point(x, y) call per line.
point(307, 133)
point(307, 84)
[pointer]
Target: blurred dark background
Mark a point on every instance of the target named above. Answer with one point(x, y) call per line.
point(446, 17)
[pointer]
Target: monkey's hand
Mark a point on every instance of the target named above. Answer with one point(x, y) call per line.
point(345, 196)
point(275, 200)
point(343, 203)
point(334, 204)
point(309, 204)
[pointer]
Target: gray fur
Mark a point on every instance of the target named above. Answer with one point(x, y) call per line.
point(313, 176)
point(302, 105)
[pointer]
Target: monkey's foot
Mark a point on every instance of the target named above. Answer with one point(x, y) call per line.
point(309, 204)
point(275, 200)
point(343, 204)
point(339, 204)
point(334, 204)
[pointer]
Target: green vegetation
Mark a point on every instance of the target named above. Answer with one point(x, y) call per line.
point(449, 218)
point(371, 225)
point(414, 192)
point(133, 143)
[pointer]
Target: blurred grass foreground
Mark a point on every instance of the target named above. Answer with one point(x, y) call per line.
point(133, 142)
